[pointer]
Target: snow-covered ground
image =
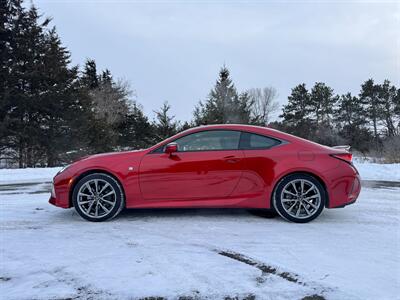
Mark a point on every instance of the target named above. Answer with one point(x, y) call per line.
point(27, 175)
point(368, 171)
point(51, 253)
point(374, 171)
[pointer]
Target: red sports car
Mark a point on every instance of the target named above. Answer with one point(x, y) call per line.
point(235, 166)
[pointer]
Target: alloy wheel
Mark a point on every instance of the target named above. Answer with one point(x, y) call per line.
point(96, 198)
point(300, 198)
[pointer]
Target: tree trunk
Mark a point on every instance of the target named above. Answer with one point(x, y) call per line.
point(50, 159)
point(20, 154)
point(29, 161)
point(374, 121)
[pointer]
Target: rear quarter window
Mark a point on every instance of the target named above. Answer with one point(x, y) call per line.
point(251, 141)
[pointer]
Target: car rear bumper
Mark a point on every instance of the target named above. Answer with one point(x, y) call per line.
point(344, 205)
point(345, 187)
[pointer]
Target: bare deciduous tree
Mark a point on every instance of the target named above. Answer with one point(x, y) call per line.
point(264, 104)
point(111, 101)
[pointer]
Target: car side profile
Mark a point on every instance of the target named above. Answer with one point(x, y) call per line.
point(232, 166)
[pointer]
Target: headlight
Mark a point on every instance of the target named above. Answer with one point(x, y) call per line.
point(53, 191)
point(63, 169)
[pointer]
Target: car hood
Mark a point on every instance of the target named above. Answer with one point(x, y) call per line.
point(110, 155)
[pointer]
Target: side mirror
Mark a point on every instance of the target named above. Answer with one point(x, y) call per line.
point(171, 148)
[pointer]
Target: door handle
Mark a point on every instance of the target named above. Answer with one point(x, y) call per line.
point(231, 159)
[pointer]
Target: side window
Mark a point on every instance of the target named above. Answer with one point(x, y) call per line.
point(255, 141)
point(209, 140)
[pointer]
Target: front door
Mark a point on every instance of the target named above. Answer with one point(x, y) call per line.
point(208, 165)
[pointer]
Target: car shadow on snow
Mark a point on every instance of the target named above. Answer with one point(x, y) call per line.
point(224, 214)
point(212, 214)
point(220, 214)
point(183, 212)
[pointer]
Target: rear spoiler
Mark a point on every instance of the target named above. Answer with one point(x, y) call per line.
point(343, 147)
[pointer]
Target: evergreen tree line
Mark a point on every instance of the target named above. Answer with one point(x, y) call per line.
point(52, 112)
point(369, 121)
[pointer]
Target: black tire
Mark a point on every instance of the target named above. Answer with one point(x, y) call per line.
point(264, 213)
point(117, 199)
point(298, 203)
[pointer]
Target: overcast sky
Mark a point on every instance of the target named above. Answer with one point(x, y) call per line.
point(172, 51)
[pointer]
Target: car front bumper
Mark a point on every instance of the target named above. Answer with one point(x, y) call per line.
point(59, 196)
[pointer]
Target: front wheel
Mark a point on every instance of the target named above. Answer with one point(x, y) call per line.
point(98, 197)
point(299, 198)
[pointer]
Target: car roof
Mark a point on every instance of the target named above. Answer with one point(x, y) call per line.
point(273, 133)
point(242, 127)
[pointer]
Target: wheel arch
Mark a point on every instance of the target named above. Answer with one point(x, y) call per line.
point(88, 172)
point(320, 180)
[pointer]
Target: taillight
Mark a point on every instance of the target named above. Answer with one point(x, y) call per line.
point(347, 157)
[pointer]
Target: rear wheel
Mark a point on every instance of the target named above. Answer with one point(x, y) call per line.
point(98, 197)
point(299, 198)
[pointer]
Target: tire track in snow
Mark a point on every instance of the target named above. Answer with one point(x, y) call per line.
point(318, 289)
point(268, 269)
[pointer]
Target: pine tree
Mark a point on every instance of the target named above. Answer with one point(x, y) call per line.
point(106, 77)
point(185, 126)
point(59, 107)
point(322, 101)
point(47, 114)
point(136, 131)
point(350, 121)
point(8, 12)
point(90, 78)
point(242, 109)
point(298, 108)
point(108, 103)
point(388, 95)
point(223, 105)
point(165, 126)
point(296, 114)
point(349, 111)
point(369, 96)
point(23, 82)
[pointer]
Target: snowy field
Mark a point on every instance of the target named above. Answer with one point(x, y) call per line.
point(374, 171)
point(51, 253)
point(28, 175)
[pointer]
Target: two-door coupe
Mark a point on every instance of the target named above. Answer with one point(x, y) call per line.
point(235, 166)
